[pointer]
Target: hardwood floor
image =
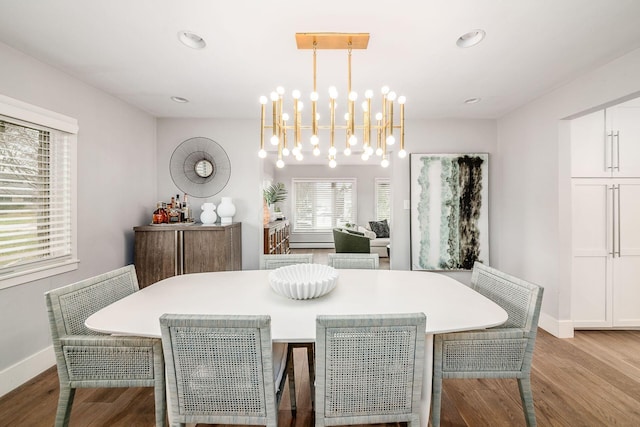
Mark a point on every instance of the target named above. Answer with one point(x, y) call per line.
point(590, 380)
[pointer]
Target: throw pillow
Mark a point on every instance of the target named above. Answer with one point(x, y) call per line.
point(368, 233)
point(381, 228)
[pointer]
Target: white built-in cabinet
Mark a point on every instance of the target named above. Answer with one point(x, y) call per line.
point(607, 143)
point(605, 151)
point(606, 253)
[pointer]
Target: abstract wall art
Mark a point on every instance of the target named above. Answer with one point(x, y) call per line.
point(449, 211)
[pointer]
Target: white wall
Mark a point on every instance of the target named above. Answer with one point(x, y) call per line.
point(534, 155)
point(441, 136)
point(239, 139)
point(365, 187)
point(116, 191)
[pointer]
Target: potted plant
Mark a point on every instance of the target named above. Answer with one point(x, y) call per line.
point(273, 194)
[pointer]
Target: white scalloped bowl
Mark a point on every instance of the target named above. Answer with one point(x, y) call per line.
point(303, 281)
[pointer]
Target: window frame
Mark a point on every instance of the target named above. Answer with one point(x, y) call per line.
point(354, 201)
point(19, 111)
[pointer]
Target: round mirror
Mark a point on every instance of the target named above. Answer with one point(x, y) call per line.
point(203, 168)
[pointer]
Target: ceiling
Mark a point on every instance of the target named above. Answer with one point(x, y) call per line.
point(130, 49)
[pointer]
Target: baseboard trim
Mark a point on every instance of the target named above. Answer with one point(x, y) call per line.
point(18, 374)
point(557, 328)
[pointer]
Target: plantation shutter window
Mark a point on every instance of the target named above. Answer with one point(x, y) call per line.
point(383, 199)
point(322, 204)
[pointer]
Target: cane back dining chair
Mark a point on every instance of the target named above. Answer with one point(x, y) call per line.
point(356, 261)
point(369, 368)
point(222, 369)
point(89, 359)
point(271, 262)
point(505, 351)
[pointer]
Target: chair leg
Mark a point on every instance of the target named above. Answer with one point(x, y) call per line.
point(291, 378)
point(526, 396)
point(65, 401)
point(311, 359)
point(161, 404)
point(436, 400)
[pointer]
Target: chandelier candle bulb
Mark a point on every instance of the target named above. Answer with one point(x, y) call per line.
point(385, 162)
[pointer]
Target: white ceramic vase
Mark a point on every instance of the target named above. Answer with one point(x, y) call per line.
point(208, 215)
point(226, 210)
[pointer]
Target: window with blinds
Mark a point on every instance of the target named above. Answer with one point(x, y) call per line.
point(322, 204)
point(383, 199)
point(35, 198)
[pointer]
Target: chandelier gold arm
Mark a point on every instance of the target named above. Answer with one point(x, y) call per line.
point(314, 102)
point(274, 113)
point(384, 121)
point(401, 127)
point(262, 114)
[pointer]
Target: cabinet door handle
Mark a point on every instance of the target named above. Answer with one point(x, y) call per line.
point(618, 220)
point(612, 252)
point(608, 160)
point(176, 253)
point(617, 134)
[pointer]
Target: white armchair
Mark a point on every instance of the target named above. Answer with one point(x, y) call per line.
point(378, 245)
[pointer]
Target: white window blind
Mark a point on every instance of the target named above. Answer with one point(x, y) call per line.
point(383, 199)
point(322, 204)
point(35, 197)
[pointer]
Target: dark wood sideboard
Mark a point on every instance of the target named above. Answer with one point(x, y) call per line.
point(163, 251)
point(276, 237)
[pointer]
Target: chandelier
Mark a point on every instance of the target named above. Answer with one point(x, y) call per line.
point(376, 131)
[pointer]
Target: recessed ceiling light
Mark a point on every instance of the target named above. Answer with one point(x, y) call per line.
point(179, 99)
point(471, 38)
point(472, 100)
point(191, 40)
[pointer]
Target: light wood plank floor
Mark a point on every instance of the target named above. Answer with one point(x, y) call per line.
point(590, 380)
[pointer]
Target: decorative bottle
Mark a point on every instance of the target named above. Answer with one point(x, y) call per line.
point(208, 215)
point(160, 215)
point(226, 210)
point(186, 209)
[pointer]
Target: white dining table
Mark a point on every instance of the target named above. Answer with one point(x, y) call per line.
point(448, 305)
